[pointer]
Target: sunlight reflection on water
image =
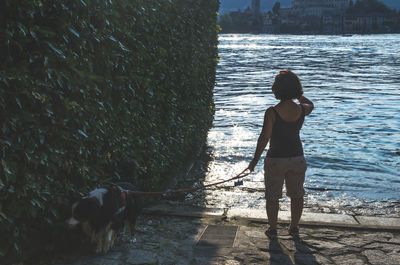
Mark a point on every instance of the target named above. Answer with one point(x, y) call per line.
point(351, 140)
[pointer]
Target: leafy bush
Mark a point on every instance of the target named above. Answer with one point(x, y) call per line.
point(85, 84)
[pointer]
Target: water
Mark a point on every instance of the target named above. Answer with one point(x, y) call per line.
point(351, 140)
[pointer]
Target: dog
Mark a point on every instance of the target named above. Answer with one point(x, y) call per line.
point(108, 210)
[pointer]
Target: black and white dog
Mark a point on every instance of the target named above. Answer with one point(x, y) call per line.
point(108, 210)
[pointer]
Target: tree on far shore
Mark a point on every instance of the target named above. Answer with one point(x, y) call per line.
point(276, 9)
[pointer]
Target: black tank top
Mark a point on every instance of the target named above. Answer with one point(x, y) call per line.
point(285, 139)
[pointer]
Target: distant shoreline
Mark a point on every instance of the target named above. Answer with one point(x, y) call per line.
point(310, 34)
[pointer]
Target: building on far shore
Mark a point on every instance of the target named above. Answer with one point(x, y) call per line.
point(369, 23)
point(314, 17)
point(318, 7)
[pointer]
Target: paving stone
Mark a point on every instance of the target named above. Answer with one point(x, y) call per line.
point(244, 238)
point(200, 260)
point(348, 259)
point(288, 244)
point(300, 247)
point(325, 234)
point(255, 234)
point(172, 240)
point(322, 245)
point(387, 248)
point(100, 260)
point(111, 262)
point(115, 255)
point(323, 260)
point(274, 246)
point(247, 213)
point(395, 239)
point(141, 257)
point(248, 244)
point(173, 261)
point(232, 262)
point(353, 242)
point(325, 218)
point(379, 221)
point(183, 210)
point(281, 259)
point(377, 257)
point(305, 259)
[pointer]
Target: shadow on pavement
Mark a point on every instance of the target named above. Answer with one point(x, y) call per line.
point(284, 255)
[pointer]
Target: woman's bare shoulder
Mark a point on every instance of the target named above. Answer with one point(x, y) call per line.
point(270, 113)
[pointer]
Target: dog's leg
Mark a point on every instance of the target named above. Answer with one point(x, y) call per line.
point(107, 238)
point(97, 239)
point(102, 241)
point(133, 230)
point(115, 237)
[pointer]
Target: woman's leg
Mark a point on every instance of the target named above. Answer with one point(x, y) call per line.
point(296, 209)
point(272, 213)
point(273, 179)
point(294, 179)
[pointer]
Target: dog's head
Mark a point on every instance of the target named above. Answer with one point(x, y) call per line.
point(98, 207)
point(87, 208)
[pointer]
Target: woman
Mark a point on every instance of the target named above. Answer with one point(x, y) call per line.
point(285, 159)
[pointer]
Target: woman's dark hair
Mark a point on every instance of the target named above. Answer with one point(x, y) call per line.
point(287, 85)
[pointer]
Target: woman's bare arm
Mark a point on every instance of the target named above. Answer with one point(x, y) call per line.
point(269, 119)
point(308, 105)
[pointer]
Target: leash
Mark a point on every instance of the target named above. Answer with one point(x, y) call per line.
point(239, 176)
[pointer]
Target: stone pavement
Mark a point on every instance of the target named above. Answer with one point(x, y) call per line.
point(177, 234)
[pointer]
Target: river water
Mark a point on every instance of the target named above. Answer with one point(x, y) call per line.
point(351, 140)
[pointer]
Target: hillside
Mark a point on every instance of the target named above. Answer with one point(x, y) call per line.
point(233, 5)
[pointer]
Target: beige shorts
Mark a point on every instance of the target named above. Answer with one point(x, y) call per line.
point(291, 170)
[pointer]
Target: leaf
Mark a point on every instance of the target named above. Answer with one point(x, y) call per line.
point(18, 102)
point(112, 38)
point(123, 47)
point(3, 215)
point(58, 51)
point(83, 133)
point(74, 32)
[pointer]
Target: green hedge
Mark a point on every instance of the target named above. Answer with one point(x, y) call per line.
point(85, 84)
